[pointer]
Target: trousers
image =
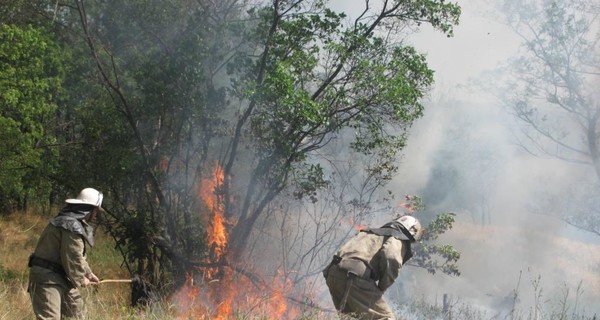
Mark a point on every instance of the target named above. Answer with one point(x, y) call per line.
point(53, 300)
point(357, 296)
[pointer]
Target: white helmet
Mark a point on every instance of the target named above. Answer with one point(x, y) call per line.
point(88, 196)
point(412, 225)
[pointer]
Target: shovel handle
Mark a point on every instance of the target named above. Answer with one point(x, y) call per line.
point(116, 281)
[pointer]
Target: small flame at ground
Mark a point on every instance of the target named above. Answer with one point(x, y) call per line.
point(235, 296)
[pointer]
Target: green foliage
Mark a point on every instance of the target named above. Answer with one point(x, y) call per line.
point(426, 256)
point(298, 77)
point(309, 181)
point(30, 84)
point(318, 78)
point(427, 253)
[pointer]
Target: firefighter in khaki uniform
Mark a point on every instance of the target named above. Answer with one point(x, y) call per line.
point(58, 266)
point(368, 264)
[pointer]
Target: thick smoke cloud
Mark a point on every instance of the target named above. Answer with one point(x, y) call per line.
point(463, 157)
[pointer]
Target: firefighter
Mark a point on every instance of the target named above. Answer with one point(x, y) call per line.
point(368, 264)
point(58, 266)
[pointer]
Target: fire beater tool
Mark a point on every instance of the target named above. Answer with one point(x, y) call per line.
point(141, 292)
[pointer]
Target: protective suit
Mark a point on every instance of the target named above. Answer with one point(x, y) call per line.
point(58, 266)
point(366, 266)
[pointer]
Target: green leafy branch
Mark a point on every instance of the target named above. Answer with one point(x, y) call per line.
point(432, 256)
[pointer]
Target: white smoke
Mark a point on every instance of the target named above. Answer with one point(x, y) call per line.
point(524, 247)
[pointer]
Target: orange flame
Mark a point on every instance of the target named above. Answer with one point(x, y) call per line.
point(228, 290)
point(409, 207)
point(209, 189)
point(356, 226)
point(235, 293)
point(187, 299)
point(210, 194)
point(360, 227)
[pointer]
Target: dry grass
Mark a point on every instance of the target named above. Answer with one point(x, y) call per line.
point(19, 233)
point(18, 238)
point(17, 241)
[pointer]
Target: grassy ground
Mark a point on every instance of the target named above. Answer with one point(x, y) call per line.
point(18, 237)
point(17, 241)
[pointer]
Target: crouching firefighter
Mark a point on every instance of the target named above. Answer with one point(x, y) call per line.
point(368, 264)
point(58, 266)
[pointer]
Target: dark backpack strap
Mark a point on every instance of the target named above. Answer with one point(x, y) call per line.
point(394, 229)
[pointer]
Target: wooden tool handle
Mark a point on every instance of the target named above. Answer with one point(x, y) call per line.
point(116, 281)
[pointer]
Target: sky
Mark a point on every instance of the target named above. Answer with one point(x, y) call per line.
point(521, 250)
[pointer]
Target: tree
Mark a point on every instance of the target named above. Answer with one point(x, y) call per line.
point(291, 73)
point(315, 79)
point(156, 115)
point(553, 89)
point(30, 85)
point(163, 94)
